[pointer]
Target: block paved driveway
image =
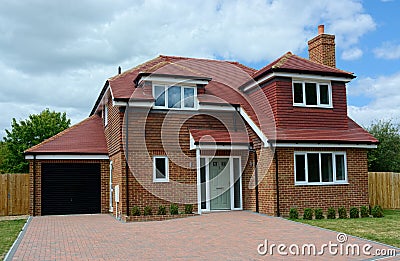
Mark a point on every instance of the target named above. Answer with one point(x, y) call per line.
point(217, 236)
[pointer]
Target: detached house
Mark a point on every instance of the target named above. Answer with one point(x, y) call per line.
point(214, 134)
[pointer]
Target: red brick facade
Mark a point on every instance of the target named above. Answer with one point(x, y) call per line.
point(355, 193)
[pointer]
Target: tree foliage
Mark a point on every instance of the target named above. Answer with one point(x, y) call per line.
point(387, 156)
point(27, 133)
point(3, 152)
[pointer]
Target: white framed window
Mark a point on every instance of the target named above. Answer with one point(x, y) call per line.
point(105, 115)
point(174, 97)
point(320, 168)
point(312, 94)
point(160, 169)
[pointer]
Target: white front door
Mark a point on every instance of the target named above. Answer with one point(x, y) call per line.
point(219, 183)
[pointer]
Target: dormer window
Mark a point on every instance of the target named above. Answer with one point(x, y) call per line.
point(174, 97)
point(312, 94)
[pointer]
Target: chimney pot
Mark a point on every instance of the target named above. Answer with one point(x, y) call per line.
point(321, 29)
point(119, 69)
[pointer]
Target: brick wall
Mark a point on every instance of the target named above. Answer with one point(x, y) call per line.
point(143, 145)
point(113, 130)
point(104, 168)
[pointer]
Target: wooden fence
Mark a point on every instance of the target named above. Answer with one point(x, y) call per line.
point(14, 194)
point(384, 189)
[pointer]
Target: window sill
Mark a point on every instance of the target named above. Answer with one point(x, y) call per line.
point(313, 106)
point(161, 181)
point(322, 184)
point(174, 109)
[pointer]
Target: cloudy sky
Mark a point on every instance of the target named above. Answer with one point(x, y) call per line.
point(57, 55)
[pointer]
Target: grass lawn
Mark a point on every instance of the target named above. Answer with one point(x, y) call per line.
point(9, 230)
point(385, 230)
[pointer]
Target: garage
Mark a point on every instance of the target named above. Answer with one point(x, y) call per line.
point(71, 188)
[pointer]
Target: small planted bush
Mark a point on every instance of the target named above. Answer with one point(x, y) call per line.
point(135, 211)
point(308, 214)
point(188, 209)
point(354, 212)
point(148, 211)
point(331, 213)
point(174, 209)
point(342, 212)
point(293, 213)
point(319, 214)
point(364, 211)
point(377, 211)
point(162, 210)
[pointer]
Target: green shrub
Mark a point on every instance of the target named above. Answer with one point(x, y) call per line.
point(354, 212)
point(308, 213)
point(174, 209)
point(319, 214)
point(364, 211)
point(331, 213)
point(148, 211)
point(377, 211)
point(342, 212)
point(135, 211)
point(162, 210)
point(293, 213)
point(188, 209)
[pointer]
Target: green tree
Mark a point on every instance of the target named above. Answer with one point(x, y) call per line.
point(387, 156)
point(27, 133)
point(3, 152)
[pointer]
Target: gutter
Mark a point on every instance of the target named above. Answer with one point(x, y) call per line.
point(256, 179)
point(278, 212)
point(127, 158)
point(34, 185)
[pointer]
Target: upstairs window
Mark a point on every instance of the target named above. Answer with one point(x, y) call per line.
point(312, 94)
point(320, 168)
point(174, 97)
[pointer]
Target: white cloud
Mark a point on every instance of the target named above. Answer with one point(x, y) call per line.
point(54, 36)
point(388, 50)
point(385, 95)
point(352, 54)
point(54, 54)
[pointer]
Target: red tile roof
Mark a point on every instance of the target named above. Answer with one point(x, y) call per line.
point(224, 88)
point(293, 63)
point(219, 136)
point(86, 137)
point(231, 73)
point(354, 134)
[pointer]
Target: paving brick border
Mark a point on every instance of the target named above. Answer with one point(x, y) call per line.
point(155, 217)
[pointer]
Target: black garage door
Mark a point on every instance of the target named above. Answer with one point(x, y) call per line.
point(70, 188)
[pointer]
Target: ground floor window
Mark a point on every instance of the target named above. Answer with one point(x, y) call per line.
point(160, 169)
point(320, 168)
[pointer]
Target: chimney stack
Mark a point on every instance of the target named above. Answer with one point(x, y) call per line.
point(321, 49)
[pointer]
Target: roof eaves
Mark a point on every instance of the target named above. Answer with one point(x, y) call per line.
point(315, 72)
point(99, 98)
